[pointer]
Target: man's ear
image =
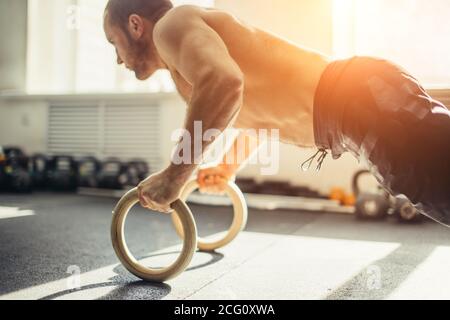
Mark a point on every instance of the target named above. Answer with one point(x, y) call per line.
point(135, 26)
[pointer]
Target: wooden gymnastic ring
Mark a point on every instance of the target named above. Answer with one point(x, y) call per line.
point(239, 219)
point(131, 264)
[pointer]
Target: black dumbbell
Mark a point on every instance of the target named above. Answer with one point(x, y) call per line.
point(405, 210)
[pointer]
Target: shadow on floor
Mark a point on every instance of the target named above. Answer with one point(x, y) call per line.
point(127, 287)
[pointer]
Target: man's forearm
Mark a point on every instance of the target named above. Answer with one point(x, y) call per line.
point(216, 107)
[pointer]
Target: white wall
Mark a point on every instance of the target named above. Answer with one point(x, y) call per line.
point(23, 120)
point(13, 31)
point(23, 123)
point(51, 47)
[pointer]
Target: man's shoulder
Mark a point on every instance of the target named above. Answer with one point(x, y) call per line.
point(178, 22)
point(178, 15)
point(186, 9)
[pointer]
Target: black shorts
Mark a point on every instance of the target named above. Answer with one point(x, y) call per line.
point(382, 115)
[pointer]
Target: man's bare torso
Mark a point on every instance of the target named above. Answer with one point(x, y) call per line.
point(280, 78)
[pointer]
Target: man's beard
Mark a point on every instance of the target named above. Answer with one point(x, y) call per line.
point(141, 54)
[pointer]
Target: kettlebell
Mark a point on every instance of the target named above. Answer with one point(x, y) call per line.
point(16, 171)
point(62, 173)
point(88, 169)
point(39, 171)
point(143, 168)
point(370, 206)
point(112, 174)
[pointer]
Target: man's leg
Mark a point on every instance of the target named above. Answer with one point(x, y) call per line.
point(430, 146)
point(381, 114)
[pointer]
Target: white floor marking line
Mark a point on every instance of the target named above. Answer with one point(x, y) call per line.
point(429, 280)
point(14, 212)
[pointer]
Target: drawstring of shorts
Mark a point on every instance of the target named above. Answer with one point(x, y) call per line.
point(307, 164)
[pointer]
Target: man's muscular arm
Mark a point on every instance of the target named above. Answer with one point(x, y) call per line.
point(243, 148)
point(197, 52)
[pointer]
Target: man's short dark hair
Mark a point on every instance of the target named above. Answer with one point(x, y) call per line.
point(120, 10)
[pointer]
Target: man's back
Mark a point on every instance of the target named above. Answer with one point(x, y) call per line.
point(280, 77)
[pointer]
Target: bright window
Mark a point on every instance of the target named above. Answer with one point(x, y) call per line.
point(412, 33)
point(68, 52)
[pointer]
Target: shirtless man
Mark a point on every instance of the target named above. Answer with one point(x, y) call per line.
point(234, 75)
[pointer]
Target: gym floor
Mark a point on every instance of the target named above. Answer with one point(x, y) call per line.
point(46, 238)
